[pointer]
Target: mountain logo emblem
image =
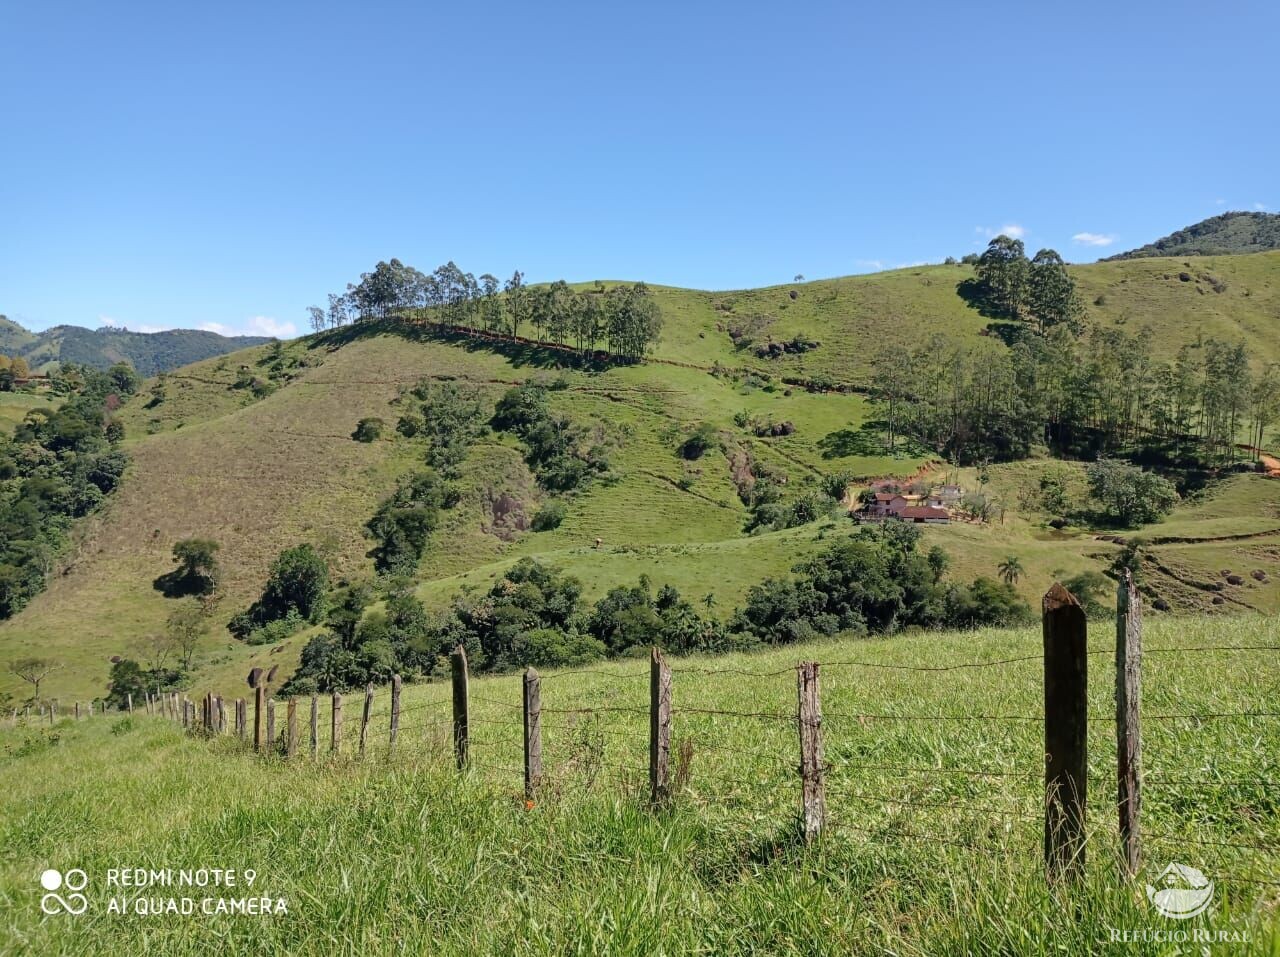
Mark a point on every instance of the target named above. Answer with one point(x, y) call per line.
point(1181, 892)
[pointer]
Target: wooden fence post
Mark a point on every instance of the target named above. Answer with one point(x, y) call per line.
point(271, 726)
point(241, 718)
point(1066, 731)
point(461, 715)
point(335, 725)
point(130, 697)
point(53, 710)
point(1128, 732)
point(813, 800)
point(259, 719)
point(364, 717)
point(91, 707)
point(291, 728)
point(315, 726)
point(532, 733)
point(222, 715)
point(77, 710)
point(395, 710)
point(659, 729)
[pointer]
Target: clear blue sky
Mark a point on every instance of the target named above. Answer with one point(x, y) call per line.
point(226, 164)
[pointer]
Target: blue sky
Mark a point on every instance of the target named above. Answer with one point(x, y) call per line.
point(224, 165)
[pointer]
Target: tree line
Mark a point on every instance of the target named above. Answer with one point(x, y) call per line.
point(623, 320)
point(57, 467)
point(1080, 389)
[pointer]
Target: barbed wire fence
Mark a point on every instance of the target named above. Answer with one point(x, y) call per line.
point(803, 762)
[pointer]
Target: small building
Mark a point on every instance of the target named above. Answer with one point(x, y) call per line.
point(888, 504)
point(925, 515)
point(948, 494)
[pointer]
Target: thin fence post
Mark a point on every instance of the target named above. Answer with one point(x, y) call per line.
point(222, 715)
point(395, 710)
point(271, 726)
point(53, 710)
point(77, 710)
point(335, 724)
point(259, 722)
point(91, 707)
point(1128, 717)
point(242, 719)
point(130, 697)
point(461, 716)
point(532, 700)
point(813, 799)
point(364, 717)
point(1065, 731)
point(659, 729)
point(315, 725)
point(291, 728)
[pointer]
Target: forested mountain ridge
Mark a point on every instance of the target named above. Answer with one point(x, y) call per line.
point(148, 352)
point(1226, 234)
point(687, 466)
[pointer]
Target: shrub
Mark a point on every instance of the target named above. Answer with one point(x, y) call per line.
point(297, 585)
point(704, 437)
point(368, 430)
point(403, 524)
point(549, 516)
point(1127, 495)
point(549, 648)
point(278, 630)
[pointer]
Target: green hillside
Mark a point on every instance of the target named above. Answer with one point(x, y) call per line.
point(148, 352)
point(1238, 232)
point(255, 451)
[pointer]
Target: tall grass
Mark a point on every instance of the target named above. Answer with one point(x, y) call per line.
point(402, 854)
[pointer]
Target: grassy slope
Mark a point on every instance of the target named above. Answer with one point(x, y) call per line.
point(403, 855)
point(14, 407)
point(261, 475)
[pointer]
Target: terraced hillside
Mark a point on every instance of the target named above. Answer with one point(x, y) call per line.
point(255, 450)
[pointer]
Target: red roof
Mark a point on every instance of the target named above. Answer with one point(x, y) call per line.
point(925, 512)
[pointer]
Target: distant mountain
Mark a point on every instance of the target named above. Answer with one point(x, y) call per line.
point(148, 352)
point(1216, 236)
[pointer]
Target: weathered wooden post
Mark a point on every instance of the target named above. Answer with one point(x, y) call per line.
point(1066, 731)
point(242, 719)
point(1128, 708)
point(91, 707)
point(335, 726)
point(53, 710)
point(130, 697)
point(77, 710)
point(315, 726)
point(813, 801)
point(259, 718)
point(532, 700)
point(222, 715)
point(395, 710)
point(461, 705)
point(291, 728)
point(364, 717)
point(659, 729)
point(271, 726)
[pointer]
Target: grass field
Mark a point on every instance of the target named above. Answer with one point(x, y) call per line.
point(14, 407)
point(933, 793)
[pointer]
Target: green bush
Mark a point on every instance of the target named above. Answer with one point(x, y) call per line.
point(368, 430)
point(549, 516)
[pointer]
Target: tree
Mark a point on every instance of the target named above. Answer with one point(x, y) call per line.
point(33, 671)
point(197, 564)
point(1127, 494)
point(299, 579)
point(127, 679)
point(1010, 570)
point(18, 366)
point(186, 626)
point(1002, 269)
point(1051, 292)
point(123, 379)
point(318, 318)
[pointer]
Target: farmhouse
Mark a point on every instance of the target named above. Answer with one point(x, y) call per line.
point(926, 515)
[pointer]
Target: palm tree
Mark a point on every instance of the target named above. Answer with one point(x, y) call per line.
point(1010, 570)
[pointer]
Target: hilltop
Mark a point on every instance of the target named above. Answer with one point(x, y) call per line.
point(149, 353)
point(256, 451)
point(1237, 232)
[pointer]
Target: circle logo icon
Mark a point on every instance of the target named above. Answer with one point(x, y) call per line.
point(74, 880)
point(1181, 892)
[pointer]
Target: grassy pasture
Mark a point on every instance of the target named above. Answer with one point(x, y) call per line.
point(934, 849)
